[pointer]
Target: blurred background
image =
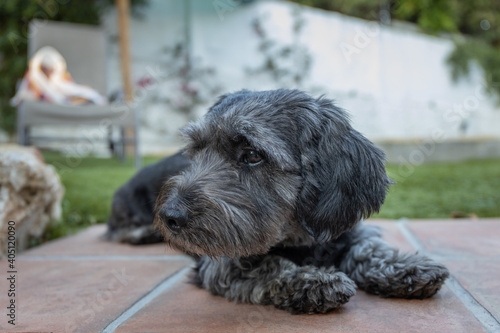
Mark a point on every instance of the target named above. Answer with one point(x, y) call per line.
point(420, 78)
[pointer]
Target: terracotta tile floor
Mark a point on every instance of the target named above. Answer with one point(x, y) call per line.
point(84, 284)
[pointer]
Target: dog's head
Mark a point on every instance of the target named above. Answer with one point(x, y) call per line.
point(270, 167)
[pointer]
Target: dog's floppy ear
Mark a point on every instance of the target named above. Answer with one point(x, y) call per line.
point(344, 178)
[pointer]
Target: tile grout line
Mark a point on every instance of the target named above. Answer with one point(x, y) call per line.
point(489, 322)
point(148, 298)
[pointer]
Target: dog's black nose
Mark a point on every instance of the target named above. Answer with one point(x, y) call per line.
point(173, 218)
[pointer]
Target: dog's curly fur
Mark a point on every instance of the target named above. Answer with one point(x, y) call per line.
point(272, 200)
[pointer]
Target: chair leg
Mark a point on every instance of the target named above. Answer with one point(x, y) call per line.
point(25, 132)
point(111, 143)
point(20, 125)
point(27, 135)
point(123, 143)
point(21, 133)
point(20, 136)
point(137, 151)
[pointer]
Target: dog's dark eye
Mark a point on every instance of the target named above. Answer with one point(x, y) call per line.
point(251, 157)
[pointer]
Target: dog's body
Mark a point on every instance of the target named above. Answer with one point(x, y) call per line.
point(272, 200)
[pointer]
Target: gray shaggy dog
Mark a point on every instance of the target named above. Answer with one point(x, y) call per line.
point(272, 200)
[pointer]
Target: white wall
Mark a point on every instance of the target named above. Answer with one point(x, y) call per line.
point(393, 81)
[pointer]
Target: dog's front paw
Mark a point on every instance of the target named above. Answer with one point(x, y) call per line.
point(421, 278)
point(424, 281)
point(313, 290)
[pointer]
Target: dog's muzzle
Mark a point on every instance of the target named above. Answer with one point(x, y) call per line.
point(173, 216)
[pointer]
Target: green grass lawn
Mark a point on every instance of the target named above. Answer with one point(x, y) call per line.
point(428, 191)
point(437, 190)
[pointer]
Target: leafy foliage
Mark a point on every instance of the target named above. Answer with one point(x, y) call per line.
point(430, 15)
point(487, 56)
point(15, 16)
